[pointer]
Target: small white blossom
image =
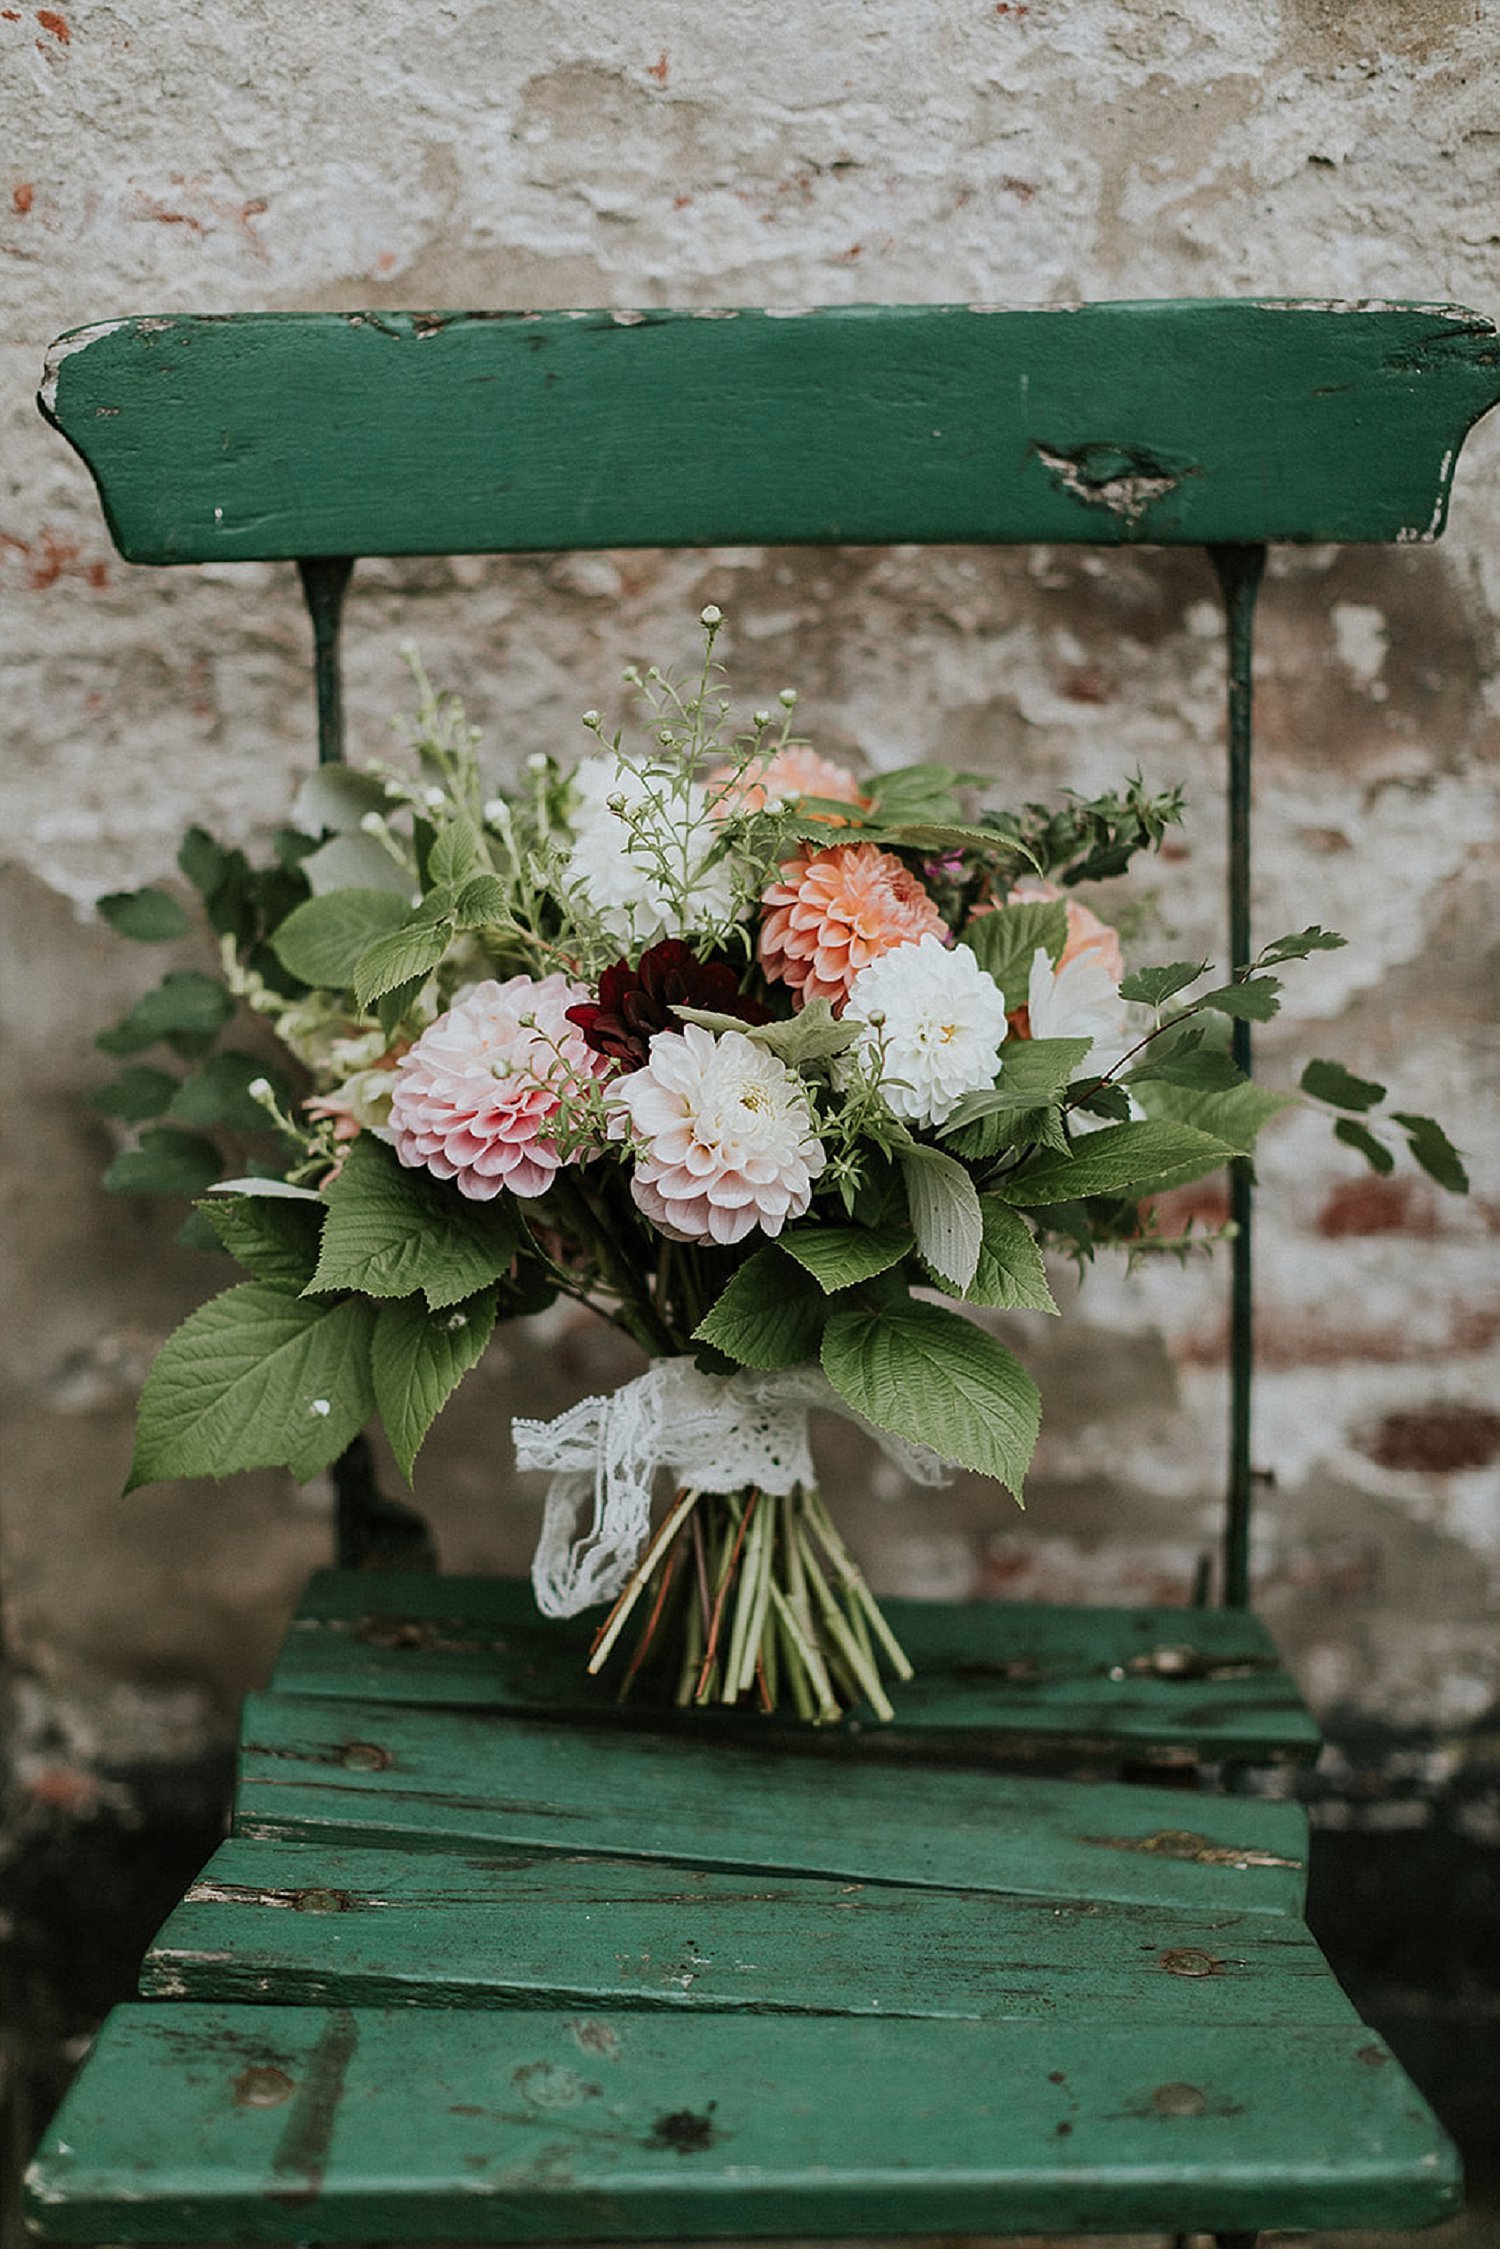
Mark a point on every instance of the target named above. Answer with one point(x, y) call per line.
point(934, 1020)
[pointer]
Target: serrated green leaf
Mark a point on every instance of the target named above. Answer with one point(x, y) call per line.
point(914, 792)
point(150, 916)
point(417, 1360)
point(1256, 1000)
point(391, 1007)
point(483, 901)
point(1005, 943)
point(219, 1093)
point(1154, 985)
point(356, 863)
point(1298, 947)
point(391, 1231)
point(274, 1239)
point(256, 1378)
point(1234, 1116)
point(338, 797)
point(196, 1233)
point(842, 1256)
point(1434, 1151)
point(322, 939)
point(165, 1163)
point(934, 1378)
point(812, 1035)
point(184, 1001)
point(931, 836)
point(408, 954)
point(944, 1206)
point(770, 1314)
point(137, 1093)
point(1375, 1153)
point(1202, 1070)
point(1114, 1160)
point(1010, 1274)
point(458, 855)
point(1032, 1072)
point(1331, 1082)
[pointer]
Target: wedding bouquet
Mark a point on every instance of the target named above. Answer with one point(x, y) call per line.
point(758, 1058)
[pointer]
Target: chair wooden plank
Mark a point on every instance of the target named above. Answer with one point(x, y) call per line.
point(308, 1925)
point(325, 1771)
point(239, 2123)
point(1149, 1684)
point(282, 434)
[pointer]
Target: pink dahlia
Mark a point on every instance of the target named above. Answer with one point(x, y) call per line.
point(778, 777)
point(474, 1095)
point(833, 912)
point(728, 1140)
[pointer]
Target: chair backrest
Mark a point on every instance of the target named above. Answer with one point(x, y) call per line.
point(321, 437)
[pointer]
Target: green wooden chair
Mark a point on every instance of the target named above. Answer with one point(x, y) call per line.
point(481, 1960)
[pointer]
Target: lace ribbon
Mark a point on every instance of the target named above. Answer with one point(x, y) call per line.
point(713, 1432)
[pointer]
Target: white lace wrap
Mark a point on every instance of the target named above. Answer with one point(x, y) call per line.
point(715, 1433)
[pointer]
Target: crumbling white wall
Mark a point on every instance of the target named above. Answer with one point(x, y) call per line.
point(197, 157)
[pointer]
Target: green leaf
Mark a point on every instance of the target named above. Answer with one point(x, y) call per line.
point(256, 1378)
point(1114, 1160)
point(458, 855)
point(417, 1360)
point(196, 1233)
point(338, 797)
point(165, 1163)
point(770, 1315)
point(149, 915)
point(1204, 1070)
point(1032, 1072)
point(931, 836)
point(356, 863)
point(321, 940)
point(392, 1006)
point(408, 954)
point(1006, 942)
point(1234, 1116)
point(184, 1001)
point(483, 901)
point(936, 1379)
point(1253, 1001)
point(391, 1231)
point(275, 1240)
point(1375, 1153)
point(1297, 948)
point(1154, 985)
point(219, 1093)
point(137, 1093)
point(841, 1256)
point(276, 1190)
point(1331, 1082)
point(914, 792)
point(1434, 1151)
point(1010, 1274)
point(204, 862)
point(944, 1206)
point(812, 1035)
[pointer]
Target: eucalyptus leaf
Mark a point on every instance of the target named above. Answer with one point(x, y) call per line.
point(256, 1378)
point(151, 916)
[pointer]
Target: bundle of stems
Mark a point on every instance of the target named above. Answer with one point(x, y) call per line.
point(754, 1599)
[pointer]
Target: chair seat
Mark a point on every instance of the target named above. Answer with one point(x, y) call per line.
point(494, 1971)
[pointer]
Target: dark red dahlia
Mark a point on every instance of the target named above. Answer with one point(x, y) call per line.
point(635, 1003)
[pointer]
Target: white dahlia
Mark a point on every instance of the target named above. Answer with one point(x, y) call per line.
point(934, 1020)
point(729, 1139)
point(1079, 999)
point(639, 842)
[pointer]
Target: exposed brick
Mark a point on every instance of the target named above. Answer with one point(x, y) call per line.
point(1377, 1206)
point(1438, 1438)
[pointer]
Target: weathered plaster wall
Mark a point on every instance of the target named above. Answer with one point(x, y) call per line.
point(189, 156)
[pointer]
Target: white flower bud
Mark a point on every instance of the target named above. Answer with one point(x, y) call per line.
point(259, 1089)
point(787, 698)
point(434, 799)
point(711, 616)
point(373, 823)
point(590, 720)
point(497, 812)
point(761, 718)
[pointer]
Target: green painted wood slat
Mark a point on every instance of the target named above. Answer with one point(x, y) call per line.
point(307, 1925)
point(1157, 1685)
point(324, 1771)
point(303, 434)
point(275, 2123)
